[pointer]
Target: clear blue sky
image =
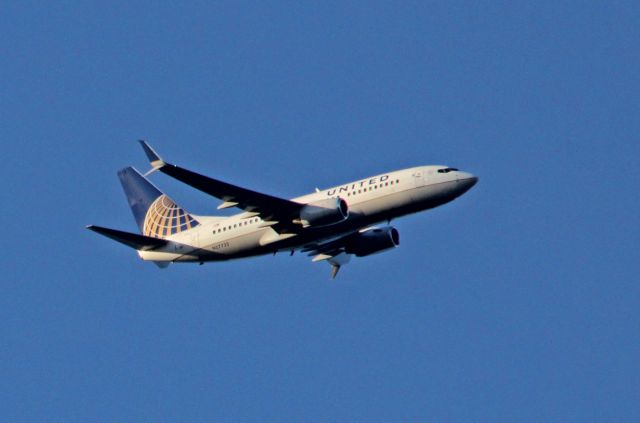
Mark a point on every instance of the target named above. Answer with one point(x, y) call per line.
point(517, 302)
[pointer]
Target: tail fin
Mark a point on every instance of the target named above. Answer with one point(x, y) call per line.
point(156, 214)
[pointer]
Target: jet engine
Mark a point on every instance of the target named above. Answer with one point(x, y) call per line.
point(324, 212)
point(373, 241)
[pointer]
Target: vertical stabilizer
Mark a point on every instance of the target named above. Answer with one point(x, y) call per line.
point(156, 214)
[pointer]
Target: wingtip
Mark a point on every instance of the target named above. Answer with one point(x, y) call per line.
point(150, 152)
point(154, 158)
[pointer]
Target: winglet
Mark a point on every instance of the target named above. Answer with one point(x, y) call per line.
point(155, 160)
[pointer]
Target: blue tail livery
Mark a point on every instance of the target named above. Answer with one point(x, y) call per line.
point(156, 214)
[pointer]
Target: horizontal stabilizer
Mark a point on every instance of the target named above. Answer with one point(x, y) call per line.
point(139, 242)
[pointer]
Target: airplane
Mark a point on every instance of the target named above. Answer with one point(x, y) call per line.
point(330, 225)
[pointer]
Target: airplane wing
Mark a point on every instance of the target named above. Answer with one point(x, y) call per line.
point(278, 211)
point(334, 252)
point(360, 243)
point(328, 249)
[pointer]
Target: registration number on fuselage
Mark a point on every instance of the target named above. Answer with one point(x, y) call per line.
point(220, 246)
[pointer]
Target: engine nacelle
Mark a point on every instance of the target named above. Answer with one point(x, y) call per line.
point(324, 212)
point(373, 241)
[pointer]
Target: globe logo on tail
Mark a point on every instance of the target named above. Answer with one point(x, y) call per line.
point(164, 217)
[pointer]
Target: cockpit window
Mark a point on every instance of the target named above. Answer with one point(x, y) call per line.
point(447, 170)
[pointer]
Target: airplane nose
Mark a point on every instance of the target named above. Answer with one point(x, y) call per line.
point(467, 180)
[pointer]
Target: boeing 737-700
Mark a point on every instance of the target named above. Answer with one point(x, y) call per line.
point(330, 225)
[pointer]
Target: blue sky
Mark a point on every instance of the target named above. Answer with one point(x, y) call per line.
point(517, 302)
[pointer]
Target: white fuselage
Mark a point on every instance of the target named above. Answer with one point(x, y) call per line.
point(373, 200)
